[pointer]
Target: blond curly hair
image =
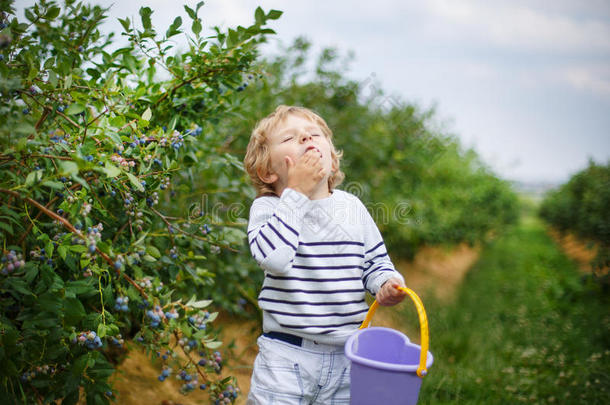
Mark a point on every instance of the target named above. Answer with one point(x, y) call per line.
point(257, 154)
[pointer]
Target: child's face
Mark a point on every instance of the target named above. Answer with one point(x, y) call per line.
point(293, 137)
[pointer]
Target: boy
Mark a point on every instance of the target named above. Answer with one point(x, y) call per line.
point(320, 250)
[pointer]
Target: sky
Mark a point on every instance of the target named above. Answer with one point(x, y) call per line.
point(524, 83)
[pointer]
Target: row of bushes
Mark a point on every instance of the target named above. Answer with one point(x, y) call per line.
point(582, 207)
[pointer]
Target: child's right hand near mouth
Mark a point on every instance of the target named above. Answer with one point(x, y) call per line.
point(306, 173)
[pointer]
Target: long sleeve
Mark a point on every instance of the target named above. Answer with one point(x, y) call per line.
point(274, 228)
point(378, 267)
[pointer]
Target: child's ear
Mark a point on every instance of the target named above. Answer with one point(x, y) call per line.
point(265, 176)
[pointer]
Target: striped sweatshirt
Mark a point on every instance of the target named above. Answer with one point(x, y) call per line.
point(319, 258)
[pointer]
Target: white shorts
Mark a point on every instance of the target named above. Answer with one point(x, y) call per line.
point(287, 374)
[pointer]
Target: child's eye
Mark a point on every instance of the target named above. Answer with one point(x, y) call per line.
point(315, 134)
point(287, 139)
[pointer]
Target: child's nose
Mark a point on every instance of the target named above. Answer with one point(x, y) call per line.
point(305, 138)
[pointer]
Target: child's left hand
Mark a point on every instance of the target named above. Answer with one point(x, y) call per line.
point(389, 295)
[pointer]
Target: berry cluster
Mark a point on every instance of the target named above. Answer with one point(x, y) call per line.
point(117, 341)
point(46, 370)
point(147, 283)
point(173, 253)
point(86, 209)
point(121, 160)
point(121, 304)
point(94, 235)
point(164, 374)
point(13, 262)
point(190, 381)
point(88, 339)
point(135, 141)
point(155, 316)
point(164, 183)
point(198, 320)
point(171, 314)
point(194, 132)
point(177, 140)
point(153, 199)
point(227, 396)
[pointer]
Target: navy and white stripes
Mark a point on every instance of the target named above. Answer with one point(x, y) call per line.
point(317, 263)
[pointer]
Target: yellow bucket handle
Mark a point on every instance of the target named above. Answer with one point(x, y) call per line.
point(423, 324)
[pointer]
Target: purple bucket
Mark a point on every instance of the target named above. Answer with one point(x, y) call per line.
point(384, 366)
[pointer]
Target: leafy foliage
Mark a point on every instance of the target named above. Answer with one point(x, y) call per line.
point(101, 148)
point(582, 206)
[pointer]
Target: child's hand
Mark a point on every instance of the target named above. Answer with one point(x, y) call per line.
point(306, 173)
point(389, 295)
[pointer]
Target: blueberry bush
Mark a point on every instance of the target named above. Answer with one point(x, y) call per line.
point(582, 206)
point(115, 191)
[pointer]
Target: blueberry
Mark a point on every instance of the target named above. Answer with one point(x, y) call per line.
point(202, 386)
point(162, 378)
point(26, 111)
point(92, 248)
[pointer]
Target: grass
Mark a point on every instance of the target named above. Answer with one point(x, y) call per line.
point(525, 328)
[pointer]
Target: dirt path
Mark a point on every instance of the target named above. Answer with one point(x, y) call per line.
point(433, 271)
point(582, 252)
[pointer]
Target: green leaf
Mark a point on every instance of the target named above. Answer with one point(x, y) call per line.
point(190, 12)
point(259, 16)
point(274, 14)
point(78, 248)
point(198, 304)
point(134, 181)
point(153, 251)
point(173, 29)
point(67, 168)
point(147, 114)
point(101, 330)
point(125, 23)
point(233, 38)
point(33, 177)
point(7, 227)
point(111, 170)
point(74, 109)
point(53, 184)
point(149, 258)
point(196, 26)
point(213, 345)
point(74, 310)
point(52, 12)
point(145, 13)
point(53, 78)
point(62, 250)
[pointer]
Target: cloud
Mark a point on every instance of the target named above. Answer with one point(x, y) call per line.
point(516, 26)
point(594, 79)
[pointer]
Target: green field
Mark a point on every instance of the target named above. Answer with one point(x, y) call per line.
point(526, 327)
